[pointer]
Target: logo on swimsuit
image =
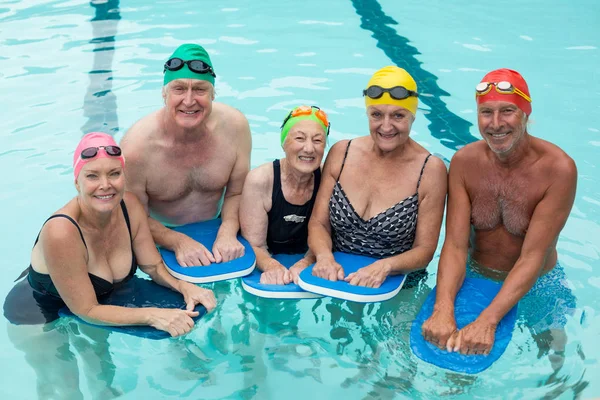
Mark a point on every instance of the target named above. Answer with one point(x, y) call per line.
point(294, 218)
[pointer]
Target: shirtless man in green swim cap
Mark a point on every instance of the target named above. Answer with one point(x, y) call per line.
point(187, 161)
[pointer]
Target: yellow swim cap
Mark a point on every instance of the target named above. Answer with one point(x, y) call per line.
point(388, 78)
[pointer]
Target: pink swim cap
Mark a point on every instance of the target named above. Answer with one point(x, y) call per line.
point(98, 140)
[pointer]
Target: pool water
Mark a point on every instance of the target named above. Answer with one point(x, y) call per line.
point(69, 67)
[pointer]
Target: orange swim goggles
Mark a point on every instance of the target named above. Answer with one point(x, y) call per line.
point(308, 110)
point(502, 87)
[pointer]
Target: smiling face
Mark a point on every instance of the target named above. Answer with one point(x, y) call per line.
point(501, 124)
point(304, 146)
point(101, 184)
point(188, 102)
point(389, 125)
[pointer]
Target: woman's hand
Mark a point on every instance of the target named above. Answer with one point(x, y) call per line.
point(370, 276)
point(297, 268)
point(328, 268)
point(193, 295)
point(174, 321)
point(276, 276)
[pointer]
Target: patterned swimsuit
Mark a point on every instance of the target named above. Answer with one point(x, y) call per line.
point(386, 234)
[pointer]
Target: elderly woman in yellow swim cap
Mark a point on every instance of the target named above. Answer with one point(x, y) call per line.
point(374, 187)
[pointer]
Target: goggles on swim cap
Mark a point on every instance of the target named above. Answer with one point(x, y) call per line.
point(396, 93)
point(502, 87)
point(197, 66)
point(91, 152)
point(305, 112)
point(308, 110)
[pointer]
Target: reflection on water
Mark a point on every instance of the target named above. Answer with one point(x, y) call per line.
point(100, 102)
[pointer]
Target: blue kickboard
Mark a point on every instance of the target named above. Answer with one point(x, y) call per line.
point(472, 298)
point(206, 233)
point(140, 293)
point(251, 283)
point(343, 290)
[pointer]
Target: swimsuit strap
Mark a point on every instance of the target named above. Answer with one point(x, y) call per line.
point(276, 181)
point(316, 182)
point(126, 215)
point(133, 259)
point(37, 239)
point(422, 169)
point(63, 216)
point(344, 160)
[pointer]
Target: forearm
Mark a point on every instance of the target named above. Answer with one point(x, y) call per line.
point(451, 272)
point(264, 261)
point(162, 235)
point(116, 316)
point(412, 260)
point(159, 274)
point(517, 283)
point(319, 241)
point(308, 259)
point(230, 224)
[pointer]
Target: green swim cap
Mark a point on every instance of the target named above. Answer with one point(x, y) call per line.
point(303, 113)
point(187, 52)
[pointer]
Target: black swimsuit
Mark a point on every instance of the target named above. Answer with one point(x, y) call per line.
point(36, 301)
point(288, 223)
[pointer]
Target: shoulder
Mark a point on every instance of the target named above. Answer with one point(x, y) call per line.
point(260, 178)
point(60, 231)
point(333, 162)
point(470, 152)
point(139, 137)
point(230, 114)
point(556, 162)
point(436, 165)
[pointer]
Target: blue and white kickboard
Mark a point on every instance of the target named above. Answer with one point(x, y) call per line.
point(343, 290)
point(206, 233)
point(139, 293)
point(472, 298)
point(252, 285)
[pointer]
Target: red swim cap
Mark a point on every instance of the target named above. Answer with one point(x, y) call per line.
point(516, 80)
point(94, 139)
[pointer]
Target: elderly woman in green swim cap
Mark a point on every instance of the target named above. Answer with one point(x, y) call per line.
point(373, 188)
point(278, 197)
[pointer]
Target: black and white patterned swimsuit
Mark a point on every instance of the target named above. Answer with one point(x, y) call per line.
point(386, 234)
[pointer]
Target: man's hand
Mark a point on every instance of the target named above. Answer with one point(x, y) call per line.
point(227, 248)
point(190, 253)
point(439, 328)
point(475, 338)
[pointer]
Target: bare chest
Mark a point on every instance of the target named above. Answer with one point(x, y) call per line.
point(174, 176)
point(504, 201)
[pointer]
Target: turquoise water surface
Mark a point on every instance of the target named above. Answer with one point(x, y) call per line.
point(68, 67)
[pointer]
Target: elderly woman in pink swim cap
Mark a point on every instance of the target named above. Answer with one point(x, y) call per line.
point(92, 245)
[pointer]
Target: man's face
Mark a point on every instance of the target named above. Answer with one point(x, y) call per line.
point(188, 101)
point(501, 124)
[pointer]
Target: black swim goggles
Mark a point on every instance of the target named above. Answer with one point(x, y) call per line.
point(91, 152)
point(396, 93)
point(197, 66)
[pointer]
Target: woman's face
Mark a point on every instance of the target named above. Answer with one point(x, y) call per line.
point(101, 184)
point(389, 125)
point(304, 146)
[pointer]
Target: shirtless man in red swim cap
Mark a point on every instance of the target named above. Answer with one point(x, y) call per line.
point(509, 197)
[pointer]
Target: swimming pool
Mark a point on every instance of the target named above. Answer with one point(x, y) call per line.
point(70, 67)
